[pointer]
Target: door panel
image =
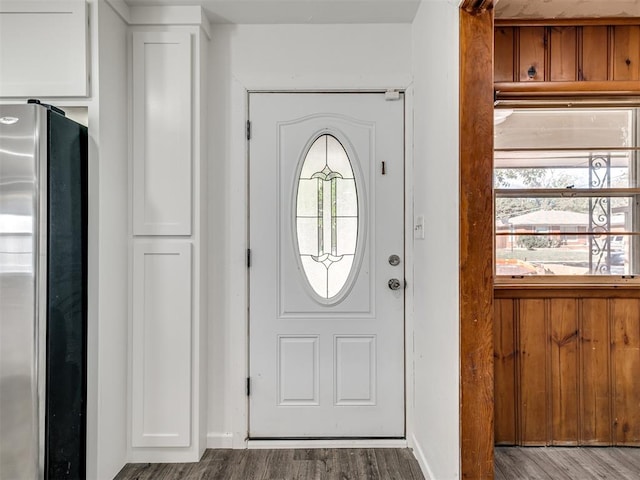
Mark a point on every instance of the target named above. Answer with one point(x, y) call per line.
point(326, 330)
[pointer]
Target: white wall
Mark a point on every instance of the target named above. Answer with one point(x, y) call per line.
point(108, 248)
point(436, 175)
point(320, 57)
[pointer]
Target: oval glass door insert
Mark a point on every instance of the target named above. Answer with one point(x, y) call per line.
point(327, 217)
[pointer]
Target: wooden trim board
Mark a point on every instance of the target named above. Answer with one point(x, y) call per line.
point(476, 244)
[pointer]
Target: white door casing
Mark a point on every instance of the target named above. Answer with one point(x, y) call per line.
point(326, 362)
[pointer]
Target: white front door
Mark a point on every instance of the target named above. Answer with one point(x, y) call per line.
point(327, 265)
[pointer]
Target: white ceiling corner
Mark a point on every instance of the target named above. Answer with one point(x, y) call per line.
point(298, 11)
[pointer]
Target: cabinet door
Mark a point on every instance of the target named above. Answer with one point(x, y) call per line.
point(43, 49)
point(162, 133)
point(162, 344)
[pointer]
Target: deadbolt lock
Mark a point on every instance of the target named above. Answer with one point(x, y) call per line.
point(394, 260)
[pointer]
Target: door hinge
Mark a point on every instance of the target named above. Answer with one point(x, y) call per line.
point(248, 258)
point(248, 386)
point(248, 130)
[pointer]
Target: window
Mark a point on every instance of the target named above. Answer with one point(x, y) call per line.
point(566, 194)
point(326, 213)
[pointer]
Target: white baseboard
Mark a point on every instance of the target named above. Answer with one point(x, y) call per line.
point(163, 455)
point(359, 443)
point(219, 440)
point(422, 460)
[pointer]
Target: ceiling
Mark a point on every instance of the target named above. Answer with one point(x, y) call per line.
point(300, 11)
point(386, 11)
point(567, 8)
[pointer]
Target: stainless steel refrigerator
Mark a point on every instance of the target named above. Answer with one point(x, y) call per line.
point(43, 293)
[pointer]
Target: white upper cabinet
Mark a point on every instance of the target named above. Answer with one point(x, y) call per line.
point(162, 133)
point(43, 48)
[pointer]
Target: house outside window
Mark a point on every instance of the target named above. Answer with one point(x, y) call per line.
point(566, 194)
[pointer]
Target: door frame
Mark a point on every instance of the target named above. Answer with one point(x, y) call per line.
point(237, 338)
point(367, 99)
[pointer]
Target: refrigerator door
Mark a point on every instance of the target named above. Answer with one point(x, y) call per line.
point(20, 434)
point(65, 419)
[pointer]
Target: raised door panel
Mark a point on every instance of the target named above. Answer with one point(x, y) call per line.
point(625, 369)
point(161, 344)
point(162, 133)
point(563, 54)
point(595, 378)
point(533, 374)
point(503, 61)
point(564, 371)
point(505, 372)
point(626, 56)
point(595, 54)
point(532, 54)
point(43, 49)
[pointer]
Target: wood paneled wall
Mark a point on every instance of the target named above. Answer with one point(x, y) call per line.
point(567, 53)
point(567, 368)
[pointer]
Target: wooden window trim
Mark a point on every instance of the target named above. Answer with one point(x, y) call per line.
point(565, 22)
point(476, 240)
point(566, 291)
point(521, 90)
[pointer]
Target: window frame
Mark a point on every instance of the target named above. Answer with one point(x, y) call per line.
point(632, 192)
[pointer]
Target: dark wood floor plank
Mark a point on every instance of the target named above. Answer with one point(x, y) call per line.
point(407, 457)
point(606, 466)
point(586, 463)
point(632, 456)
point(289, 464)
point(278, 464)
point(367, 464)
point(530, 467)
point(616, 460)
point(564, 461)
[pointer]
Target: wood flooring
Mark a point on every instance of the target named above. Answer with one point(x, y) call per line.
point(567, 463)
point(302, 464)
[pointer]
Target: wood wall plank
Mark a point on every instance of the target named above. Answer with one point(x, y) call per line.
point(564, 371)
point(563, 51)
point(504, 66)
point(595, 54)
point(626, 370)
point(595, 379)
point(504, 342)
point(476, 243)
point(568, 52)
point(533, 372)
point(532, 54)
point(575, 375)
point(626, 54)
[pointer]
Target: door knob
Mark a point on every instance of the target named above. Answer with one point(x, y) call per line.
point(394, 284)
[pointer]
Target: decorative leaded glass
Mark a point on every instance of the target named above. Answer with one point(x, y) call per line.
point(327, 216)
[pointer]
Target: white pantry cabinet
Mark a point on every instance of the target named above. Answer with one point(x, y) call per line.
point(168, 236)
point(43, 48)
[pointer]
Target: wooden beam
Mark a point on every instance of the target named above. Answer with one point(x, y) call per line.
point(565, 22)
point(476, 243)
point(477, 7)
point(581, 88)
